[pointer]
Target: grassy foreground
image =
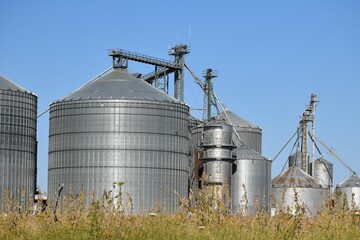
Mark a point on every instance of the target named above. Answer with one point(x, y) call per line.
point(102, 220)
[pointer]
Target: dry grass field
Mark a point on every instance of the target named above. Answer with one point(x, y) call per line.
point(105, 220)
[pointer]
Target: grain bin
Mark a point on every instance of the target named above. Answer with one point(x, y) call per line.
point(251, 182)
point(295, 159)
point(118, 128)
point(323, 171)
point(217, 158)
point(296, 190)
point(18, 145)
point(250, 134)
point(348, 192)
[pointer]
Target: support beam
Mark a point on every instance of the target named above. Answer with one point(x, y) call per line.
point(208, 74)
point(179, 51)
point(162, 67)
point(121, 57)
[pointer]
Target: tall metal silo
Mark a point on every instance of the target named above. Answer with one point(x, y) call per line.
point(323, 171)
point(295, 159)
point(118, 128)
point(251, 182)
point(295, 188)
point(18, 145)
point(250, 134)
point(348, 192)
point(217, 158)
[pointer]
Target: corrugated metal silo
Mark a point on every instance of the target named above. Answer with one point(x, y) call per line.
point(294, 186)
point(348, 192)
point(18, 145)
point(196, 128)
point(251, 182)
point(217, 158)
point(250, 134)
point(118, 128)
point(295, 159)
point(322, 170)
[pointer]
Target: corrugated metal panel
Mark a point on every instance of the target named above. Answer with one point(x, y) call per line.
point(311, 200)
point(251, 182)
point(352, 181)
point(218, 173)
point(143, 143)
point(6, 84)
point(294, 186)
point(295, 159)
point(250, 134)
point(237, 121)
point(196, 127)
point(322, 170)
point(217, 135)
point(218, 159)
point(294, 177)
point(349, 192)
point(245, 152)
point(131, 88)
point(196, 153)
point(18, 144)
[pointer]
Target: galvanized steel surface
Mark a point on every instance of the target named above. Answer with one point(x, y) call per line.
point(294, 177)
point(142, 141)
point(250, 134)
point(195, 139)
point(217, 156)
point(18, 146)
point(217, 135)
point(6, 84)
point(196, 154)
point(322, 170)
point(120, 85)
point(294, 186)
point(251, 182)
point(310, 199)
point(295, 160)
point(218, 172)
point(217, 153)
point(349, 192)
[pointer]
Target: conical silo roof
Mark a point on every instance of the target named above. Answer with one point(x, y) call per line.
point(249, 133)
point(9, 85)
point(352, 181)
point(294, 177)
point(119, 85)
point(218, 122)
point(245, 152)
point(236, 120)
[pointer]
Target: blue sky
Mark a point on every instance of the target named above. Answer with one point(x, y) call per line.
point(271, 55)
